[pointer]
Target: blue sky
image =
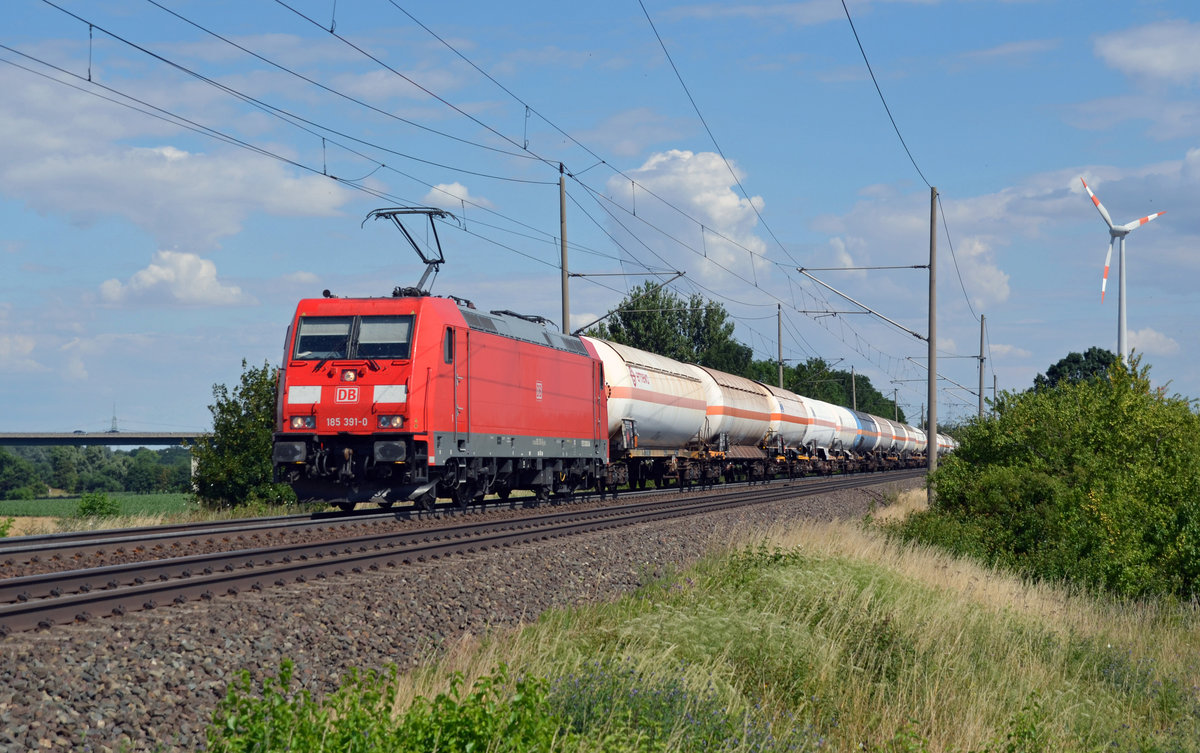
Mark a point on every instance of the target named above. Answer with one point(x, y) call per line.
point(150, 246)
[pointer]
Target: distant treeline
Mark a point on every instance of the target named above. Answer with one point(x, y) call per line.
point(30, 472)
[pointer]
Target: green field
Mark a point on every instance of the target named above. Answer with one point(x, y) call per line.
point(131, 505)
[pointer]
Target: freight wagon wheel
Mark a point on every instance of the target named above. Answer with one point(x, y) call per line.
point(344, 506)
point(541, 494)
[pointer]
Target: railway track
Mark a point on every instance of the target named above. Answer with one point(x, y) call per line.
point(79, 595)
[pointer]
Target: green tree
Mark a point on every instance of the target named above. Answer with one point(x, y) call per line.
point(64, 464)
point(233, 464)
point(1094, 481)
point(692, 330)
point(1077, 367)
point(18, 478)
point(143, 474)
point(815, 378)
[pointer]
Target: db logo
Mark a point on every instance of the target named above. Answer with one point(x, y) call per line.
point(346, 395)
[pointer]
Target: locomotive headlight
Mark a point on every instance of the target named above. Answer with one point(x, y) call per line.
point(349, 375)
point(391, 422)
point(303, 422)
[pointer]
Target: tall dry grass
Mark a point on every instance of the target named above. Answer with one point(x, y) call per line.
point(830, 633)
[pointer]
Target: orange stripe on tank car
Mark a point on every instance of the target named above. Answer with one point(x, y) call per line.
point(726, 410)
point(786, 418)
point(657, 398)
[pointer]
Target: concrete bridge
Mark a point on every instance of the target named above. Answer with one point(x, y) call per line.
point(83, 438)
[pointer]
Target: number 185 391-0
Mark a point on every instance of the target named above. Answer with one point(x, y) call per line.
point(351, 422)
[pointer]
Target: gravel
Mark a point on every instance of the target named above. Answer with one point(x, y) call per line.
point(150, 680)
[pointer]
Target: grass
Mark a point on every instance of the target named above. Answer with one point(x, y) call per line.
point(166, 503)
point(42, 516)
point(826, 636)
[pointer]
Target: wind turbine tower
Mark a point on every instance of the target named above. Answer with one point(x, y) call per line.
point(1117, 234)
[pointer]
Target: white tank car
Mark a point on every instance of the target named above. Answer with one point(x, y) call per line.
point(868, 433)
point(946, 444)
point(664, 397)
point(791, 419)
point(904, 440)
point(888, 439)
point(848, 428)
point(739, 408)
point(826, 424)
point(920, 442)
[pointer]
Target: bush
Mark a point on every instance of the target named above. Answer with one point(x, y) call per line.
point(1096, 482)
point(98, 505)
point(497, 715)
point(233, 464)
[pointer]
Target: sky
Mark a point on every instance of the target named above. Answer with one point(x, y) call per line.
point(176, 174)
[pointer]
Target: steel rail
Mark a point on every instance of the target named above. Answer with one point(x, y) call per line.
point(78, 546)
point(278, 566)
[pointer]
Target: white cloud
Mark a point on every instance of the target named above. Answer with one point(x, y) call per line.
point(676, 183)
point(1152, 343)
point(301, 278)
point(15, 351)
point(630, 132)
point(175, 277)
point(1000, 350)
point(1164, 51)
point(1021, 51)
point(452, 196)
point(65, 153)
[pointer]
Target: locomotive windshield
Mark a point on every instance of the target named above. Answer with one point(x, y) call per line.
point(384, 336)
point(340, 337)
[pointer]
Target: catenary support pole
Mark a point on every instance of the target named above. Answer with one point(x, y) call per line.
point(982, 319)
point(931, 428)
point(779, 326)
point(562, 223)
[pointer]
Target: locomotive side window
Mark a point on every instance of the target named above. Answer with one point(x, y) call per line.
point(448, 348)
point(384, 336)
point(323, 337)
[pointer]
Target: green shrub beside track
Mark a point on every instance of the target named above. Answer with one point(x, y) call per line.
point(1095, 482)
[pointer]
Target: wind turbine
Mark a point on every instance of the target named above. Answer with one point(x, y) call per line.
point(1117, 233)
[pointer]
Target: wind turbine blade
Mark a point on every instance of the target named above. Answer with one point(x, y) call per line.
point(1104, 282)
point(1103, 211)
point(1138, 223)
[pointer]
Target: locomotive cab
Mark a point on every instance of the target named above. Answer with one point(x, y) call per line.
point(417, 398)
point(346, 431)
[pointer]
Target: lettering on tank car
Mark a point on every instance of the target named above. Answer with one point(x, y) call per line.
point(638, 377)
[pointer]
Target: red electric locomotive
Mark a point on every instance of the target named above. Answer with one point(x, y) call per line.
point(417, 397)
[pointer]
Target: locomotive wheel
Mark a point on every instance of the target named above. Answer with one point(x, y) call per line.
point(424, 502)
point(463, 495)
